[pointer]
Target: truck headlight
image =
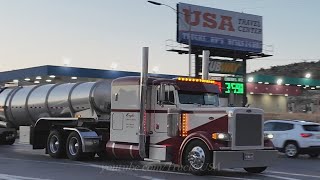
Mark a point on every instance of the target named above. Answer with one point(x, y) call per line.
point(268, 136)
point(221, 136)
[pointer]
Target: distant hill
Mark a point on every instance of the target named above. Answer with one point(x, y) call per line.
point(297, 70)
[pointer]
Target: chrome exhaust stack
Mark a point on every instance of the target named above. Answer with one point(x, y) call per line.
point(143, 98)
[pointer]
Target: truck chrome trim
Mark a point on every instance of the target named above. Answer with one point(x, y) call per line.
point(113, 151)
point(131, 146)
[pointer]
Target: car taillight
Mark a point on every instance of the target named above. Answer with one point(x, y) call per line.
point(305, 135)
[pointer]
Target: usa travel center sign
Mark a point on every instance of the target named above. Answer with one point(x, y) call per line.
point(210, 27)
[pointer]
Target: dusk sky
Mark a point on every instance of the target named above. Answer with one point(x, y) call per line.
point(97, 33)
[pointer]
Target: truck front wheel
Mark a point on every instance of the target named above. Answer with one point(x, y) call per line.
point(255, 169)
point(197, 158)
point(56, 144)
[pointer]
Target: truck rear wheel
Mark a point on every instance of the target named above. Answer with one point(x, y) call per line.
point(74, 148)
point(255, 169)
point(56, 144)
point(197, 158)
point(10, 142)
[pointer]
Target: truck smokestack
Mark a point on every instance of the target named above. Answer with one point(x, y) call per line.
point(143, 96)
point(205, 64)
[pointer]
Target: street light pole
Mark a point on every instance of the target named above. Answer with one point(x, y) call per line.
point(189, 30)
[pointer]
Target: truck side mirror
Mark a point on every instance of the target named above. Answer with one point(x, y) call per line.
point(162, 93)
point(173, 122)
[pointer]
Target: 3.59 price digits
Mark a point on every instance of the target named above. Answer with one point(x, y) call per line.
point(236, 88)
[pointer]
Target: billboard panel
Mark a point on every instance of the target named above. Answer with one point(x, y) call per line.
point(210, 27)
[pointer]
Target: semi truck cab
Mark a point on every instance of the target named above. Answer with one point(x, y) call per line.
point(184, 124)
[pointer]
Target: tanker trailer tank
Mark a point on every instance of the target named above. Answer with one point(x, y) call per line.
point(23, 106)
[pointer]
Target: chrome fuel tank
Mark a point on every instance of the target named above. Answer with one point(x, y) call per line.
point(22, 106)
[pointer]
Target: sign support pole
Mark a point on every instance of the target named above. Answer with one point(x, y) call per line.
point(197, 64)
point(244, 97)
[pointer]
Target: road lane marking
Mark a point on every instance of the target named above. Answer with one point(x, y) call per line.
point(278, 177)
point(294, 174)
point(225, 177)
point(149, 178)
point(14, 177)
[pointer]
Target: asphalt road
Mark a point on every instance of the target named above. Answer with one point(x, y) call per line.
point(20, 162)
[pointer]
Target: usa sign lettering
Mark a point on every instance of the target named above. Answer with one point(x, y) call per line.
point(218, 28)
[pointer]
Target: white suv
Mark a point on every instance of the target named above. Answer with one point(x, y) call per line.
point(294, 137)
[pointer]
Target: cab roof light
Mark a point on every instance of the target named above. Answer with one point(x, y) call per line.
point(196, 80)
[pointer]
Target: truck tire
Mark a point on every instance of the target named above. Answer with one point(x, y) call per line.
point(74, 148)
point(10, 142)
point(291, 149)
point(56, 144)
point(197, 158)
point(255, 169)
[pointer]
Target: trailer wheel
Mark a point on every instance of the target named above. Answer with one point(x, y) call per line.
point(255, 169)
point(10, 142)
point(56, 144)
point(74, 148)
point(197, 158)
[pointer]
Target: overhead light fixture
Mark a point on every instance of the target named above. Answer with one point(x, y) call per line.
point(250, 79)
point(299, 85)
point(307, 86)
point(266, 83)
point(260, 82)
point(304, 87)
point(251, 92)
point(74, 78)
point(16, 81)
point(287, 84)
point(317, 86)
point(286, 95)
point(52, 76)
point(27, 79)
point(38, 77)
point(48, 80)
point(313, 88)
point(279, 81)
point(36, 82)
point(270, 94)
point(308, 75)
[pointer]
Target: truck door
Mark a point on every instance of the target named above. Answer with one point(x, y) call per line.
point(158, 130)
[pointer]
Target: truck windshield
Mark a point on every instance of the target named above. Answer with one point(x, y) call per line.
point(186, 97)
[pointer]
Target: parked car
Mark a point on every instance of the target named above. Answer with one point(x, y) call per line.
point(294, 137)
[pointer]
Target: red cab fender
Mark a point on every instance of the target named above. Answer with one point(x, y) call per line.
point(200, 135)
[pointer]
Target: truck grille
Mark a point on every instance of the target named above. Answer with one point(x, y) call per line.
point(248, 130)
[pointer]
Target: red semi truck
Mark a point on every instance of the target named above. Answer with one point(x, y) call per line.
point(139, 118)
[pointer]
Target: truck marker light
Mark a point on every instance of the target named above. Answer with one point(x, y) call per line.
point(78, 116)
point(196, 80)
point(184, 131)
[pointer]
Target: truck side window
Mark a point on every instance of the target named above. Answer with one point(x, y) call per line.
point(169, 95)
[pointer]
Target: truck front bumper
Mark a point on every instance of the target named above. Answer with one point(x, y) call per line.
point(243, 159)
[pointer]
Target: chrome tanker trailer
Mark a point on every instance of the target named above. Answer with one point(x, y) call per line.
point(23, 106)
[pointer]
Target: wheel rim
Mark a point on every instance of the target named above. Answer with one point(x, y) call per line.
point(54, 144)
point(73, 146)
point(291, 150)
point(196, 157)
